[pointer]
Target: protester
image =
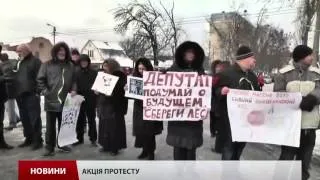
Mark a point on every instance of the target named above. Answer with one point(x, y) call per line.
point(112, 109)
point(215, 68)
point(261, 80)
point(10, 84)
point(215, 120)
point(299, 74)
point(85, 79)
point(56, 79)
point(28, 101)
point(186, 136)
point(144, 131)
point(238, 76)
point(3, 98)
point(75, 57)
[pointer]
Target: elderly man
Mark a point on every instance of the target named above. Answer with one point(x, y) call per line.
point(28, 101)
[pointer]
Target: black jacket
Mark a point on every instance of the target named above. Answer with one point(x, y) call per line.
point(9, 75)
point(27, 71)
point(186, 134)
point(85, 79)
point(3, 92)
point(233, 78)
point(55, 80)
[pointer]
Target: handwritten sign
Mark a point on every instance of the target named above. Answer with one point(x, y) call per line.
point(265, 117)
point(105, 83)
point(176, 96)
point(135, 87)
point(67, 134)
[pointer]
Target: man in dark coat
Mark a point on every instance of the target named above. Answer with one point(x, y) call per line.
point(238, 76)
point(85, 79)
point(186, 136)
point(11, 88)
point(112, 109)
point(3, 98)
point(28, 100)
point(144, 131)
point(56, 79)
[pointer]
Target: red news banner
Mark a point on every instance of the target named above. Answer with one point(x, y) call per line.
point(176, 96)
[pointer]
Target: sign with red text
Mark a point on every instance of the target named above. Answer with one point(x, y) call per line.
point(265, 117)
point(176, 96)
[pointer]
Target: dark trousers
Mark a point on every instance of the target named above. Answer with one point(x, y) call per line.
point(29, 108)
point(303, 153)
point(213, 123)
point(218, 144)
point(232, 150)
point(51, 133)
point(2, 109)
point(147, 142)
point(184, 154)
point(87, 112)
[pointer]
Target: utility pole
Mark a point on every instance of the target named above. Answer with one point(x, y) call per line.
point(53, 32)
point(317, 33)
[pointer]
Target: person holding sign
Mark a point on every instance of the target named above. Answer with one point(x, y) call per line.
point(238, 76)
point(56, 79)
point(143, 130)
point(300, 76)
point(85, 79)
point(186, 136)
point(112, 109)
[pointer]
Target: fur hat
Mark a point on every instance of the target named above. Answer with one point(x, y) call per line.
point(300, 52)
point(198, 51)
point(244, 52)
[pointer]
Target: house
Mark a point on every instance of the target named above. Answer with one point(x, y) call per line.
point(99, 51)
point(40, 47)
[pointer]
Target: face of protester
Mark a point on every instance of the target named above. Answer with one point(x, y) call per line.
point(105, 68)
point(219, 68)
point(141, 68)
point(23, 52)
point(250, 63)
point(308, 60)
point(189, 56)
point(84, 64)
point(61, 54)
point(75, 57)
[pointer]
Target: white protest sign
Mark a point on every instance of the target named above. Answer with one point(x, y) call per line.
point(176, 96)
point(71, 109)
point(265, 117)
point(135, 87)
point(105, 83)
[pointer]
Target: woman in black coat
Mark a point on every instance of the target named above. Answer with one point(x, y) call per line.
point(186, 136)
point(144, 131)
point(111, 112)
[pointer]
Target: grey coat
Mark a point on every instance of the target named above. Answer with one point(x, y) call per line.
point(55, 80)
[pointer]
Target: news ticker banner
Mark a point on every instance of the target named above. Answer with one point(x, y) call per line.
point(159, 170)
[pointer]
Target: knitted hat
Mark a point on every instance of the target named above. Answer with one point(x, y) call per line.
point(244, 52)
point(300, 52)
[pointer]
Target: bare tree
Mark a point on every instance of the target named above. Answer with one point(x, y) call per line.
point(135, 47)
point(147, 22)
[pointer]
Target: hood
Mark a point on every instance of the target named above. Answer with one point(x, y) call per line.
point(84, 57)
point(197, 64)
point(56, 49)
point(145, 62)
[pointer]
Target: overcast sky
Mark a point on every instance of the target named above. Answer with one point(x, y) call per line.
point(20, 19)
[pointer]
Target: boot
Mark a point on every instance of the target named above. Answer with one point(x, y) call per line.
point(36, 146)
point(48, 153)
point(27, 142)
point(143, 154)
point(94, 144)
point(77, 143)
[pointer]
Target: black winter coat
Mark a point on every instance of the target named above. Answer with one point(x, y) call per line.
point(3, 92)
point(186, 134)
point(55, 80)
point(233, 78)
point(27, 71)
point(85, 79)
point(10, 78)
point(111, 112)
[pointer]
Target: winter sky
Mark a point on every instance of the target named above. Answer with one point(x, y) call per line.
point(93, 19)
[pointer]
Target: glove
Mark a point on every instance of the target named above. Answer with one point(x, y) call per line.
point(163, 71)
point(308, 103)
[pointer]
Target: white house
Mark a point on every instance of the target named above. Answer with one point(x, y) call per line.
point(99, 51)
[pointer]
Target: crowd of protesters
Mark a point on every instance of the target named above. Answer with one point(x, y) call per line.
point(69, 71)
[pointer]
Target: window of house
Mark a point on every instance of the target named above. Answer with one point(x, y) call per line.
point(90, 53)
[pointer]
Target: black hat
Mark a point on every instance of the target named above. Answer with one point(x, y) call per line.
point(244, 52)
point(84, 57)
point(75, 52)
point(300, 52)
